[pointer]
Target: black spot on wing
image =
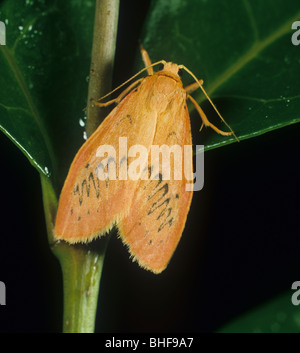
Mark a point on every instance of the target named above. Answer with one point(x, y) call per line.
point(126, 117)
point(164, 189)
point(167, 220)
point(86, 186)
point(161, 205)
point(173, 133)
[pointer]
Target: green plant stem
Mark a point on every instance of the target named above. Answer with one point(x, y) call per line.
point(82, 271)
point(103, 55)
point(82, 264)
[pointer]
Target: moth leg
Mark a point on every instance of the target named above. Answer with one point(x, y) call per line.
point(147, 60)
point(120, 97)
point(205, 121)
point(193, 87)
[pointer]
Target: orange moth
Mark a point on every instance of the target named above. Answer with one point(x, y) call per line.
point(150, 212)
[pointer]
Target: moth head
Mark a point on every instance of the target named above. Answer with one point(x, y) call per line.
point(171, 70)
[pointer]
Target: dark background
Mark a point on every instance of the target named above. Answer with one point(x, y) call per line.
point(240, 246)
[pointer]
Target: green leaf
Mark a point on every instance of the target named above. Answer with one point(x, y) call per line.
point(278, 315)
point(243, 52)
point(43, 78)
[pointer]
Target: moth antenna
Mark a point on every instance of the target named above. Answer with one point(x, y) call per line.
point(208, 98)
point(131, 78)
